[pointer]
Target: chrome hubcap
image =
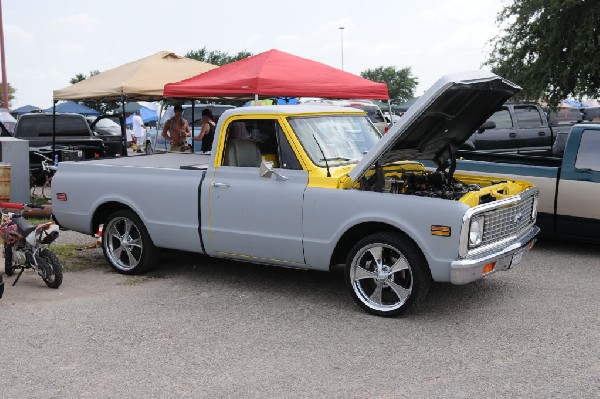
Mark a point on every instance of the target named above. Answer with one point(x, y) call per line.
point(123, 243)
point(381, 277)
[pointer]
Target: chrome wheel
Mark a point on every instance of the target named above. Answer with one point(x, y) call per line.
point(387, 274)
point(126, 243)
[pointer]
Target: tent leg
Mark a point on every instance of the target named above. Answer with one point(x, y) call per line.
point(123, 132)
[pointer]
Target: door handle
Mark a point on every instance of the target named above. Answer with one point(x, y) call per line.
point(541, 133)
point(512, 135)
point(217, 184)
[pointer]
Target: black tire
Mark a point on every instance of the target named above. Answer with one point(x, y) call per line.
point(50, 268)
point(401, 281)
point(8, 267)
point(126, 244)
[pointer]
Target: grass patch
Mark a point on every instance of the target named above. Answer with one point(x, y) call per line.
point(76, 258)
point(136, 280)
point(35, 221)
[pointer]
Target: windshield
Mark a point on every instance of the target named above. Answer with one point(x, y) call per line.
point(107, 123)
point(339, 139)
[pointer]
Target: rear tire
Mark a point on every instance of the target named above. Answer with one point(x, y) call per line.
point(8, 267)
point(126, 244)
point(50, 268)
point(387, 274)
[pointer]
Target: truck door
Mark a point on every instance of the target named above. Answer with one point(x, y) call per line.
point(503, 136)
point(252, 217)
point(533, 130)
point(579, 214)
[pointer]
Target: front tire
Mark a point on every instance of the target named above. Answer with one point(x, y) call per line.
point(387, 274)
point(51, 270)
point(8, 266)
point(126, 244)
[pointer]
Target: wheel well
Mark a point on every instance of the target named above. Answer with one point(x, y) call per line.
point(355, 233)
point(105, 210)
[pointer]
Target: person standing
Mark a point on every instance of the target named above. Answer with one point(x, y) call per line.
point(207, 134)
point(139, 130)
point(176, 130)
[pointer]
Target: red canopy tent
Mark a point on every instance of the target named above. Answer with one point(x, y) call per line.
point(276, 73)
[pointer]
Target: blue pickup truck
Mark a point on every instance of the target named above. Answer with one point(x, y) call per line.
point(569, 201)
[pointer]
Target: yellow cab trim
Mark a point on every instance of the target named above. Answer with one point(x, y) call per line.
point(492, 187)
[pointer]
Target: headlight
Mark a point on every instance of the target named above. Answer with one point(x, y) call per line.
point(534, 209)
point(476, 231)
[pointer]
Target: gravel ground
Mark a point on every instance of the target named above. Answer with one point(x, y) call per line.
point(197, 327)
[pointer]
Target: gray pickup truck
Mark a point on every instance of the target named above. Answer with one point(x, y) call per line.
point(69, 132)
point(311, 187)
point(517, 125)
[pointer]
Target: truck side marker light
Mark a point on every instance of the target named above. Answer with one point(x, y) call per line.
point(443, 231)
point(61, 196)
point(488, 268)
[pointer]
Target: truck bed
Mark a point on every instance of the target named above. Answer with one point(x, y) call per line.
point(168, 160)
point(532, 158)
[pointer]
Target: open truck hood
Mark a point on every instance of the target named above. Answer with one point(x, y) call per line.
point(441, 120)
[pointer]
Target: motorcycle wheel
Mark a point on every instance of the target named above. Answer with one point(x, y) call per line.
point(126, 243)
point(50, 267)
point(8, 267)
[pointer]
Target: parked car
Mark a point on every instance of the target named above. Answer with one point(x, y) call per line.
point(591, 114)
point(518, 125)
point(373, 111)
point(154, 133)
point(105, 128)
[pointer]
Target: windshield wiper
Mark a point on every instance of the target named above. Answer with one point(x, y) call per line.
point(336, 159)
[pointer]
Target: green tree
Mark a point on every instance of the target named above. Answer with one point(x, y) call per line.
point(11, 94)
point(216, 57)
point(549, 47)
point(80, 76)
point(98, 106)
point(401, 82)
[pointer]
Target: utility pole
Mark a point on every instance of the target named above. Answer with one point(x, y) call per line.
point(4, 82)
point(342, 37)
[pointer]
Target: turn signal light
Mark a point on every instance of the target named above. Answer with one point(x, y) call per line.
point(443, 231)
point(488, 268)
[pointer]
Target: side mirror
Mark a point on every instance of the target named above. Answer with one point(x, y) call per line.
point(266, 170)
point(486, 125)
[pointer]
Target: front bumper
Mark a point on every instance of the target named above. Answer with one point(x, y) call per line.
point(464, 271)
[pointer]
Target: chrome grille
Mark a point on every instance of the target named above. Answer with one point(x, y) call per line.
point(508, 221)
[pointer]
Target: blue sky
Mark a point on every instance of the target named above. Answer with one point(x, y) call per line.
point(49, 42)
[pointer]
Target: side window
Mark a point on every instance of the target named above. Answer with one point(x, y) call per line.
point(502, 119)
point(587, 155)
point(288, 157)
point(249, 141)
point(528, 117)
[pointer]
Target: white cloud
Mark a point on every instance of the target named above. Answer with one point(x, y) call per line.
point(73, 23)
point(17, 36)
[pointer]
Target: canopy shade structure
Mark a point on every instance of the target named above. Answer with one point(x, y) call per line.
point(147, 115)
point(143, 79)
point(24, 109)
point(276, 73)
point(74, 108)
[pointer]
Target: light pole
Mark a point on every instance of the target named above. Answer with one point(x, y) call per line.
point(342, 38)
point(4, 82)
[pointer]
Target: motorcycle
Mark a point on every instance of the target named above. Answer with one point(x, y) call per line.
point(26, 245)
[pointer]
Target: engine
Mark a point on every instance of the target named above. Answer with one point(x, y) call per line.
point(426, 184)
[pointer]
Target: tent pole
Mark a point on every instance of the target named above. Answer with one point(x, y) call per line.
point(193, 121)
point(162, 104)
point(256, 99)
point(123, 133)
point(54, 130)
point(390, 111)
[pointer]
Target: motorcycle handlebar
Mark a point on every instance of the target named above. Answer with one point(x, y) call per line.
point(12, 205)
point(16, 205)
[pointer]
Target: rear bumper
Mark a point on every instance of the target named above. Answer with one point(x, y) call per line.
point(464, 271)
